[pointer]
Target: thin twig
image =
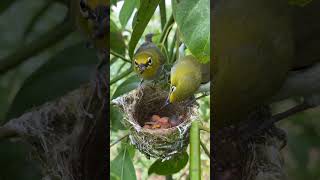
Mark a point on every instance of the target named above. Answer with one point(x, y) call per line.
point(120, 56)
point(7, 133)
point(166, 27)
point(118, 140)
point(205, 149)
point(203, 128)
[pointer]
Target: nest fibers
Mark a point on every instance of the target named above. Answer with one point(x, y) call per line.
point(139, 105)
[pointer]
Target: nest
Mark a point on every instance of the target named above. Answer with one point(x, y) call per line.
point(139, 105)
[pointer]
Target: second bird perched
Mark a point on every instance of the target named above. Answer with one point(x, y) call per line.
point(186, 78)
point(148, 60)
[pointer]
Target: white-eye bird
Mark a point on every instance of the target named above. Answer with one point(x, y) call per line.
point(185, 79)
point(148, 60)
point(93, 20)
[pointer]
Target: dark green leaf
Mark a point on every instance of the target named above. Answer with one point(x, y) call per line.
point(128, 85)
point(14, 162)
point(122, 166)
point(116, 39)
point(114, 2)
point(170, 166)
point(63, 73)
point(126, 11)
point(5, 4)
point(144, 14)
point(117, 43)
point(193, 20)
point(299, 146)
point(116, 117)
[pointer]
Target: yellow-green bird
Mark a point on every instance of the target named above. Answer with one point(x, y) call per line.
point(92, 19)
point(148, 60)
point(185, 79)
point(253, 52)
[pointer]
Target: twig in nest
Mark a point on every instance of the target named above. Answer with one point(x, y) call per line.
point(7, 133)
point(118, 140)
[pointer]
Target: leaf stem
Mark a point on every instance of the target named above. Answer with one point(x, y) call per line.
point(205, 149)
point(120, 56)
point(166, 28)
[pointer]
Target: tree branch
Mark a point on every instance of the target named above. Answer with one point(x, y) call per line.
point(7, 133)
point(120, 56)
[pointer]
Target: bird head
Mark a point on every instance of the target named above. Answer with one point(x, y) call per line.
point(145, 64)
point(97, 14)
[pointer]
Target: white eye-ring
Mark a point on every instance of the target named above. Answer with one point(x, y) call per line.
point(173, 88)
point(84, 9)
point(135, 62)
point(149, 61)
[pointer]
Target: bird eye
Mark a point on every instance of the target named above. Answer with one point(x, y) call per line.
point(135, 62)
point(173, 88)
point(84, 9)
point(149, 61)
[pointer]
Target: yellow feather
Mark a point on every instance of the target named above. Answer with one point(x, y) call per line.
point(185, 79)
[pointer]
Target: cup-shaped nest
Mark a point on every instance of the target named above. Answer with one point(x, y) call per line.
point(140, 105)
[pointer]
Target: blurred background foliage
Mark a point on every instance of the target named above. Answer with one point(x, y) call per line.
point(123, 80)
point(302, 153)
point(61, 63)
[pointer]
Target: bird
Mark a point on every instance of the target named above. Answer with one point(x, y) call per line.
point(92, 20)
point(148, 60)
point(252, 54)
point(185, 79)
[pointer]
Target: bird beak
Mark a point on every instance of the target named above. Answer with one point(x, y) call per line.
point(142, 68)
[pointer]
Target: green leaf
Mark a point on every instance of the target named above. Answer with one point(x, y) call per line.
point(299, 146)
point(116, 117)
point(14, 162)
point(116, 39)
point(193, 20)
point(126, 11)
point(122, 166)
point(128, 85)
point(63, 73)
point(143, 16)
point(114, 2)
point(170, 166)
point(5, 4)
